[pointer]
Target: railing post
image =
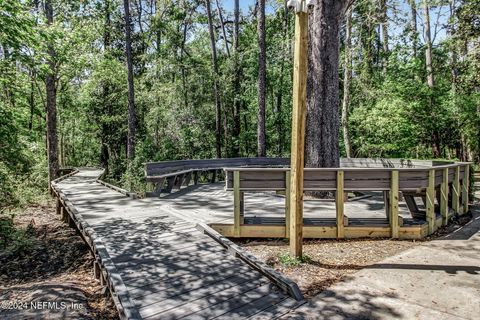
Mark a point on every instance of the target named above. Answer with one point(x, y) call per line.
point(456, 191)
point(339, 205)
point(430, 201)
point(236, 204)
point(465, 186)
point(394, 204)
point(287, 204)
point(444, 197)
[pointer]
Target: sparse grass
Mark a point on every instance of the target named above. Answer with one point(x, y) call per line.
point(289, 261)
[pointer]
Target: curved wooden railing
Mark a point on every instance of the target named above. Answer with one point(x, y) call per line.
point(448, 183)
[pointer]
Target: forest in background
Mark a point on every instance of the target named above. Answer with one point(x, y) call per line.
point(214, 79)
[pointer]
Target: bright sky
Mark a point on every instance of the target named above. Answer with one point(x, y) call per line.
point(438, 16)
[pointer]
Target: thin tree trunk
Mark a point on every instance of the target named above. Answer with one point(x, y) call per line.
point(428, 50)
point(413, 10)
point(236, 84)
point(347, 77)
point(222, 25)
point(286, 52)
point(32, 98)
point(51, 112)
point(430, 79)
point(131, 139)
point(218, 107)
point(384, 23)
point(322, 125)
point(158, 32)
point(261, 148)
point(104, 150)
point(453, 50)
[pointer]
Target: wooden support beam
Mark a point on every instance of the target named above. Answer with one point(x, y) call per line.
point(393, 202)
point(444, 197)
point(179, 181)
point(58, 206)
point(96, 270)
point(187, 179)
point(287, 204)
point(214, 176)
point(196, 175)
point(456, 191)
point(236, 204)
point(465, 187)
point(339, 205)
point(170, 184)
point(298, 133)
point(430, 201)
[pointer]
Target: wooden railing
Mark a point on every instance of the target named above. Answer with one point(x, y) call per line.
point(449, 181)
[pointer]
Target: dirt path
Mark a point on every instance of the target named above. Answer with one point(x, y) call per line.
point(51, 278)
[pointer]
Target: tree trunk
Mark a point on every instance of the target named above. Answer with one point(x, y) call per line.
point(32, 98)
point(384, 23)
point(322, 126)
point(104, 151)
point(453, 50)
point(435, 137)
point(428, 50)
point(261, 148)
point(51, 90)
point(236, 84)
point(131, 139)
point(222, 25)
point(218, 107)
point(347, 77)
point(413, 10)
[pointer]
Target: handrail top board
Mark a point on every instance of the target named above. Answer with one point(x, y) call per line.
point(349, 168)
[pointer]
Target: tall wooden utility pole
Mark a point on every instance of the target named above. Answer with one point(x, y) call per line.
point(298, 125)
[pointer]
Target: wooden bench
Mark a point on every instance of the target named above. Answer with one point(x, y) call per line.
point(166, 176)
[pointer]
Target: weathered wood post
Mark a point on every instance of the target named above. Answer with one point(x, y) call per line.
point(236, 204)
point(456, 190)
point(465, 186)
point(287, 204)
point(444, 197)
point(430, 201)
point(393, 202)
point(298, 125)
point(340, 205)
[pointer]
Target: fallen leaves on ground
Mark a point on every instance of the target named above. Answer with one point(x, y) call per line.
point(329, 261)
point(56, 266)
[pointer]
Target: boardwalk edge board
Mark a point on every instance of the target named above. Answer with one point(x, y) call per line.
point(125, 192)
point(280, 280)
point(114, 282)
point(65, 176)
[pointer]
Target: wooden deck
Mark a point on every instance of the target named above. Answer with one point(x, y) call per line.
point(165, 266)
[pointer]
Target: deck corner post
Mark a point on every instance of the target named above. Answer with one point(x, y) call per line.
point(340, 205)
point(444, 197)
point(236, 204)
point(430, 201)
point(394, 224)
point(456, 191)
point(287, 204)
point(465, 187)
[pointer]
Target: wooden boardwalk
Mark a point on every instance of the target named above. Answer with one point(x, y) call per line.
point(169, 269)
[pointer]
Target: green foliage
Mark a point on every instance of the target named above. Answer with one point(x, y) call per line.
point(393, 113)
point(289, 261)
point(12, 239)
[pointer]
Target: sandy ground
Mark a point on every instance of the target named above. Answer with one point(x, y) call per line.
point(329, 261)
point(53, 278)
